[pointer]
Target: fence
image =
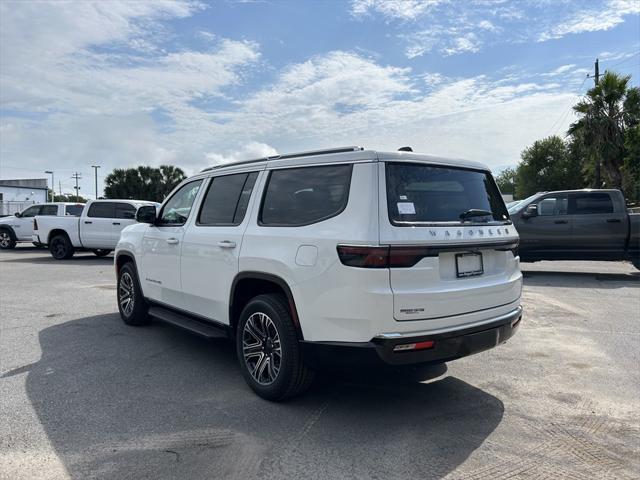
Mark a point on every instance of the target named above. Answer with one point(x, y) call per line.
point(9, 208)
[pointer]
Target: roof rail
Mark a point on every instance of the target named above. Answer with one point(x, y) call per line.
point(308, 153)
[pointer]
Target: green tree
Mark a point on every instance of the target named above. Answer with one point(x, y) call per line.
point(65, 198)
point(506, 181)
point(547, 165)
point(605, 114)
point(143, 183)
point(631, 166)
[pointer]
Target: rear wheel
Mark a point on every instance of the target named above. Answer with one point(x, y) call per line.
point(131, 304)
point(268, 350)
point(101, 252)
point(61, 248)
point(7, 241)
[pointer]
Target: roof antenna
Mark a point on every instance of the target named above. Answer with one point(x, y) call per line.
point(405, 149)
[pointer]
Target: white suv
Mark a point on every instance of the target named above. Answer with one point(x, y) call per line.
point(342, 257)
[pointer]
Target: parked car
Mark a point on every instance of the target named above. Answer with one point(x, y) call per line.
point(343, 258)
point(577, 225)
point(19, 227)
point(97, 229)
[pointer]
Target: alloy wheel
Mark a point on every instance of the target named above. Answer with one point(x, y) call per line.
point(261, 348)
point(126, 294)
point(5, 239)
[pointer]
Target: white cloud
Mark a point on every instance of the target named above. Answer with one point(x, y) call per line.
point(393, 9)
point(246, 152)
point(593, 20)
point(560, 70)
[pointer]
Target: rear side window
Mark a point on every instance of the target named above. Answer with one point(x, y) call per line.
point(419, 194)
point(74, 210)
point(50, 210)
point(302, 196)
point(590, 203)
point(101, 210)
point(227, 199)
point(125, 210)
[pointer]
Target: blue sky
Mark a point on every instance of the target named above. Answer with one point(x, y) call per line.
point(195, 83)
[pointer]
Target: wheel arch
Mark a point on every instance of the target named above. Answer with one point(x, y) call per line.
point(57, 231)
point(9, 229)
point(247, 285)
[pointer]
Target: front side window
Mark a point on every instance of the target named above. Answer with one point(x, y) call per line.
point(50, 210)
point(227, 199)
point(419, 194)
point(551, 206)
point(31, 212)
point(590, 203)
point(125, 210)
point(101, 210)
point(305, 195)
point(176, 210)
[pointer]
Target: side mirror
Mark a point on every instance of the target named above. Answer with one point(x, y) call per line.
point(530, 211)
point(146, 214)
point(18, 214)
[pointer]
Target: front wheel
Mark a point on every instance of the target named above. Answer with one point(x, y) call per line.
point(101, 252)
point(131, 304)
point(61, 248)
point(7, 241)
point(268, 349)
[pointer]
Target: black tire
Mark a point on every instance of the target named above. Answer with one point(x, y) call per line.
point(7, 240)
point(101, 252)
point(259, 358)
point(136, 312)
point(61, 248)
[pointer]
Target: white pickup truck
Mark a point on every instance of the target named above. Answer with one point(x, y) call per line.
point(19, 227)
point(97, 229)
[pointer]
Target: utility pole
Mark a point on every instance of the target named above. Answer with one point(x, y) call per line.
point(77, 176)
point(95, 168)
point(596, 80)
point(60, 187)
point(53, 185)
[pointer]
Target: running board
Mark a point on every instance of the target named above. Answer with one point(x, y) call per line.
point(201, 327)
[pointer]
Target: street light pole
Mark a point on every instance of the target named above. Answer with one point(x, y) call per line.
point(95, 168)
point(53, 185)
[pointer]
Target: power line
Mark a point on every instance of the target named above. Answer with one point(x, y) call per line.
point(559, 120)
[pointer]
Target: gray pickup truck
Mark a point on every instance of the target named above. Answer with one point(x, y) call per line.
point(577, 225)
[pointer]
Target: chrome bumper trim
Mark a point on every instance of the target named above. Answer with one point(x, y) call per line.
point(512, 316)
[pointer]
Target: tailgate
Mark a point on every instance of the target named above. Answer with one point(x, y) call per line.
point(450, 227)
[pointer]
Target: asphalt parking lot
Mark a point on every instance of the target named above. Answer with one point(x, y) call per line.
point(84, 396)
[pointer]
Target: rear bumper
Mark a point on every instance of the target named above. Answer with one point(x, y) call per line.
point(379, 352)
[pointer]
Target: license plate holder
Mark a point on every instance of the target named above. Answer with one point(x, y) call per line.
point(469, 264)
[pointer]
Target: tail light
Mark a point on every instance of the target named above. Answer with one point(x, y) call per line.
point(382, 257)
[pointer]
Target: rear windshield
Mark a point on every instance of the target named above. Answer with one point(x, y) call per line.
point(74, 210)
point(420, 194)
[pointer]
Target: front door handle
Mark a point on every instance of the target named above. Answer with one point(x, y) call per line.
point(87, 223)
point(561, 221)
point(172, 241)
point(116, 223)
point(613, 220)
point(227, 244)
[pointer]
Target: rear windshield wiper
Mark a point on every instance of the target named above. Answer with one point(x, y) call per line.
point(474, 212)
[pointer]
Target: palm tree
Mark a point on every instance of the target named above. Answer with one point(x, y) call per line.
point(606, 112)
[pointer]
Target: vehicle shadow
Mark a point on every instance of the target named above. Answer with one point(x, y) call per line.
point(86, 258)
point(581, 279)
point(155, 402)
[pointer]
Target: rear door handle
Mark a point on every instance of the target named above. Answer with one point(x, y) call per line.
point(172, 241)
point(87, 223)
point(227, 244)
point(561, 221)
point(116, 223)
point(613, 220)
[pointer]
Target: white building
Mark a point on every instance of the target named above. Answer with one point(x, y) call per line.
point(16, 195)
